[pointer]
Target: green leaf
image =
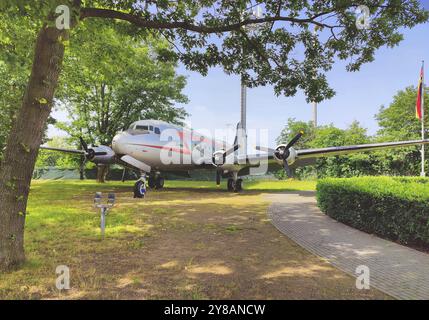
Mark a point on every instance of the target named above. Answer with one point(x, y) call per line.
point(42, 101)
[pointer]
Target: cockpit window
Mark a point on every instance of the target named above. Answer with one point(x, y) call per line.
point(157, 131)
point(145, 128)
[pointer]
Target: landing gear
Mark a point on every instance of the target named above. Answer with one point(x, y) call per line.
point(151, 182)
point(239, 185)
point(159, 183)
point(235, 185)
point(156, 182)
point(140, 187)
point(231, 185)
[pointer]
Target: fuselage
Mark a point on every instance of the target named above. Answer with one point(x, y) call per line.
point(166, 147)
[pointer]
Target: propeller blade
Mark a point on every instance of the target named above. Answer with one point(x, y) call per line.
point(82, 166)
point(294, 140)
point(287, 169)
point(232, 150)
point(84, 144)
point(216, 156)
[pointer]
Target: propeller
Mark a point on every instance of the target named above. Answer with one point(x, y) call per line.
point(90, 153)
point(283, 152)
point(219, 159)
point(232, 150)
point(82, 164)
point(295, 139)
point(224, 154)
point(83, 144)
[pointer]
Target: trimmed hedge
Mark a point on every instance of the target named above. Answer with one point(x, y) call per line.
point(395, 208)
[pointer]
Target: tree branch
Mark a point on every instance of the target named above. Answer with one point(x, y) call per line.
point(200, 28)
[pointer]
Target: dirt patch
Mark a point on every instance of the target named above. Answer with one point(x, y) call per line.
point(219, 246)
point(176, 244)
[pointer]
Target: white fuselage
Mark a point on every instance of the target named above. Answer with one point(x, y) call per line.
point(166, 147)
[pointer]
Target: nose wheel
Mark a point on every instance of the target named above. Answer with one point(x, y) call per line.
point(140, 188)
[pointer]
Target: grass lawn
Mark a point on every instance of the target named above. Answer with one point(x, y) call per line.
point(259, 185)
point(191, 240)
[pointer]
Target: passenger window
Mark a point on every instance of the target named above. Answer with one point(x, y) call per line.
point(157, 130)
point(151, 128)
point(142, 128)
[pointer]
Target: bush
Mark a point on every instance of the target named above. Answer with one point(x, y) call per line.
point(395, 208)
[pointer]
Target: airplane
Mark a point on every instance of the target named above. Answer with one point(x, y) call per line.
point(153, 147)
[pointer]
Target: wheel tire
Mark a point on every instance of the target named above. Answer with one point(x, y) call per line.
point(152, 182)
point(159, 184)
point(239, 185)
point(231, 185)
point(139, 189)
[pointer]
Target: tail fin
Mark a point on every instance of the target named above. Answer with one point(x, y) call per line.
point(236, 133)
point(241, 139)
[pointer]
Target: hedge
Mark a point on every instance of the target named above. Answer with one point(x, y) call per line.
point(395, 208)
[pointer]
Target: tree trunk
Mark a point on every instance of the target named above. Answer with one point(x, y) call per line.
point(102, 171)
point(23, 144)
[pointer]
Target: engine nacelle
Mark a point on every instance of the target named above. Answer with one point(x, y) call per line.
point(107, 158)
point(282, 153)
point(219, 158)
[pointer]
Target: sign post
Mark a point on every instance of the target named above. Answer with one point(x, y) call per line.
point(104, 208)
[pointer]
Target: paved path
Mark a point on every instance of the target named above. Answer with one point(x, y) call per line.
point(399, 271)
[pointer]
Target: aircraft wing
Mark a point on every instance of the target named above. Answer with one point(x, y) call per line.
point(306, 157)
point(63, 150)
point(336, 151)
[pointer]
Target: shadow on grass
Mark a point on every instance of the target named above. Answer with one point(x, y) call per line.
point(245, 192)
point(219, 251)
point(179, 243)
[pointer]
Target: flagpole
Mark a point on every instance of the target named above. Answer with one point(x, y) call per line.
point(423, 173)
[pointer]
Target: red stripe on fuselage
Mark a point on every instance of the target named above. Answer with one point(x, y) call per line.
point(184, 151)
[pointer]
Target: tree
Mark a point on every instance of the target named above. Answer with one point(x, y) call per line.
point(292, 128)
point(205, 34)
point(329, 136)
point(15, 67)
point(398, 122)
point(346, 165)
point(111, 80)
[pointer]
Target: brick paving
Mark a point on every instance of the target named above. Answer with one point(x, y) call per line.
point(399, 271)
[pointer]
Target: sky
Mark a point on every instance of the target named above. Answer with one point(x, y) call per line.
point(214, 100)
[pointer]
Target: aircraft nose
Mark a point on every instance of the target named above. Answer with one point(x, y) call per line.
point(117, 142)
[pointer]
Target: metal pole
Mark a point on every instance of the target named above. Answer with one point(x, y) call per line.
point(243, 105)
point(423, 173)
point(315, 114)
point(243, 131)
point(103, 220)
point(315, 103)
